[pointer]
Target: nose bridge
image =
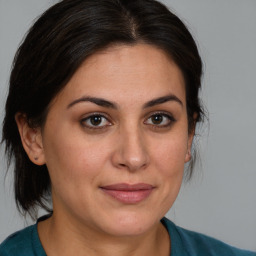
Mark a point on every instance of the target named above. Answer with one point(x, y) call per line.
point(132, 152)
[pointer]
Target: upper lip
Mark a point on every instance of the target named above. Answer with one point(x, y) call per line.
point(128, 187)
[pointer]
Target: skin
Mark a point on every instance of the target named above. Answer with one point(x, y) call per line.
point(128, 146)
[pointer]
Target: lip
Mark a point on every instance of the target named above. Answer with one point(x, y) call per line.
point(128, 193)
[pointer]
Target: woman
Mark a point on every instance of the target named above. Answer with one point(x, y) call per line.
point(100, 117)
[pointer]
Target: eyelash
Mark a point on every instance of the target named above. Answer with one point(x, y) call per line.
point(95, 127)
point(165, 116)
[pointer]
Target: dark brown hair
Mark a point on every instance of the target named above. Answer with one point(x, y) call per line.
point(56, 45)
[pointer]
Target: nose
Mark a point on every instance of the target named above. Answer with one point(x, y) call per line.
point(131, 151)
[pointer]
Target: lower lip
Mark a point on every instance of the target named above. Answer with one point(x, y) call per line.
point(129, 197)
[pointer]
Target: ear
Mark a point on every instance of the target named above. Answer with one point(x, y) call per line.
point(190, 139)
point(31, 139)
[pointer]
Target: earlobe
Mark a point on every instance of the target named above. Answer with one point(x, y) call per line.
point(188, 156)
point(189, 146)
point(31, 139)
point(190, 140)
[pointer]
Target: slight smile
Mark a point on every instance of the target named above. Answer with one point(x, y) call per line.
point(128, 194)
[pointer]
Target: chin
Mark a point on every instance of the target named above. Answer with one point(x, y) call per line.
point(131, 224)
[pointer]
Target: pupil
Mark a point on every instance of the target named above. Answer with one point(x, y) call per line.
point(96, 120)
point(157, 119)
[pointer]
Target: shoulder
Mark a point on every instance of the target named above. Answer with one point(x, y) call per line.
point(22, 243)
point(198, 244)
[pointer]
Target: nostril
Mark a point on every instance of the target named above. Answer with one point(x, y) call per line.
point(131, 153)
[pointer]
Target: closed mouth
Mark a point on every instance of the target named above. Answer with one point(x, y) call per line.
point(128, 193)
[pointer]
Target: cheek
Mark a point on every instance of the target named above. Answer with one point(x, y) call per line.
point(71, 156)
point(169, 156)
point(171, 167)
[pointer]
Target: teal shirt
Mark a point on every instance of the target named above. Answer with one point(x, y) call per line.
point(25, 242)
point(183, 243)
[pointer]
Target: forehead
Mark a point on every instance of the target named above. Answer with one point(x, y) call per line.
point(123, 72)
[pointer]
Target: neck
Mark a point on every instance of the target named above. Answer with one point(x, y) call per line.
point(73, 239)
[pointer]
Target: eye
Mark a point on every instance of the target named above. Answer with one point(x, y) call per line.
point(160, 120)
point(95, 121)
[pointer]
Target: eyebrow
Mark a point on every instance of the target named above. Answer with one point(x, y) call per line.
point(162, 100)
point(105, 103)
point(98, 101)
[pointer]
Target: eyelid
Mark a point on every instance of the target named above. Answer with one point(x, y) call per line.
point(163, 113)
point(89, 115)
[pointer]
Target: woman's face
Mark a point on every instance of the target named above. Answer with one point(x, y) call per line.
point(116, 139)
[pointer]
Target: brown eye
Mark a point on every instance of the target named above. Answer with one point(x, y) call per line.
point(160, 120)
point(95, 121)
point(156, 119)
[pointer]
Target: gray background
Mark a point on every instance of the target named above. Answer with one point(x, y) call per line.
point(220, 199)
